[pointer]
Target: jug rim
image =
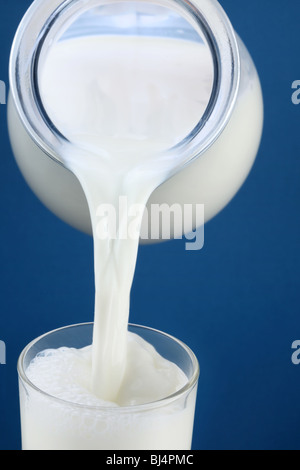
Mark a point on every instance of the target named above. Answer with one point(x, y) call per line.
point(43, 15)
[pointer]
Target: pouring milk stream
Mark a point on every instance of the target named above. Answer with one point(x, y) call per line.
point(122, 102)
point(121, 105)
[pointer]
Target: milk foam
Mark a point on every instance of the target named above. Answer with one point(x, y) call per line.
point(65, 373)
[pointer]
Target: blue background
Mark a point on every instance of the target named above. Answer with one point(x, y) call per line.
point(236, 302)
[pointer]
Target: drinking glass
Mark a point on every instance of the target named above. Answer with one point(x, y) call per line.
point(50, 423)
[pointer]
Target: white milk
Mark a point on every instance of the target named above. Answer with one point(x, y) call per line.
point(121, 102)
point(65, 373)
point(121, 117)
point(92, 424)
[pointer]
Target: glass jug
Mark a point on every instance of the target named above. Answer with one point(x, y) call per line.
point(217, 155)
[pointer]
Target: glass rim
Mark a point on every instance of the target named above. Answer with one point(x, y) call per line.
point(208, 15)
point(191, 383)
